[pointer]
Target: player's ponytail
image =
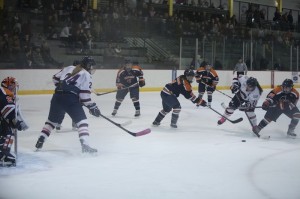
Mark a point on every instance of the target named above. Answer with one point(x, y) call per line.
point(259, 88)
point(76, 70)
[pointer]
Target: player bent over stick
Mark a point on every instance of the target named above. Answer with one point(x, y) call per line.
point(282, 99)
point(170, 93)
point(247, 92)
point(73, 88)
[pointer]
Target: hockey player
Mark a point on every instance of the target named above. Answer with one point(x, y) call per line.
point(130, 77)
point(170, 93)
point(74, 126)
point(282, 99)
point(247, 92)
point(10, 119)
point(207, 78)
point(73, 89)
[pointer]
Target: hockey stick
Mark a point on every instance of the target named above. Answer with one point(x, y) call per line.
point(135, 134)
point(263, 137)
point(218, 90)
point(232, 121)
point(241, 107)
point(14, 129)
point(99, 94)
point(223, 93)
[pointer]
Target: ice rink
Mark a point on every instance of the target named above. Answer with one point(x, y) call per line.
point(198, 160)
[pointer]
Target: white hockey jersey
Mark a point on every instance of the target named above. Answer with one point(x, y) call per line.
point(79, 83)
point(250, 96)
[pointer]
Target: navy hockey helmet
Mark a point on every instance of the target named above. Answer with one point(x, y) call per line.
point(207, 66)
point(189, 74)
point(87, 63)
point(251, 83)
point(287, 85)
point(127, 65)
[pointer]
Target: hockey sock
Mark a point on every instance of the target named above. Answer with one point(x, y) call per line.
point(175, 116)
point(200, 95)
point(209, 97)
point(293, 123)
point(9, 140)
point(252, 118)
point(160, 116)
point(48, 127)
point(83, 131)
point(264, 122)
point(118, 104)
point(136, 103)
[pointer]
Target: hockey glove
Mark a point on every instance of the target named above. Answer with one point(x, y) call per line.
point(234, 89)
point(245, 107)
point(200, 102)
point(266, 104)
point(21, 126)
point(142, 82)
point(93, 109)
point(120, 86)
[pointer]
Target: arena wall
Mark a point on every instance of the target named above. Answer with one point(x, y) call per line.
point(40, 81)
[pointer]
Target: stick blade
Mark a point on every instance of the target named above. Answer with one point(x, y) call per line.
point(237, 120)
point(141, 133)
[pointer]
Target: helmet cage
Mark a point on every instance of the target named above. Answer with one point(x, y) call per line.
point(287, 85)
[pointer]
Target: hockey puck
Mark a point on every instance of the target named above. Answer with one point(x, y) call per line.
point(243, 140)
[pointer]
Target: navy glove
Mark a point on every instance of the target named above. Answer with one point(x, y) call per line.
point(93, 109)
point(142, 82)
point(246, 106)
point(234, 89)
point(200, 102)
point(21, 126)
point(266, 104)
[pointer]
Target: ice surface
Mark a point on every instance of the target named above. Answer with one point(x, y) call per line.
point(198, 160)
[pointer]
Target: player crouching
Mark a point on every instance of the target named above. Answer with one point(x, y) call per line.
point(282, 99)
point(10, 120)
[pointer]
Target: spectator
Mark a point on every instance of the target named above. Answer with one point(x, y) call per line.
point(65, 35)
point(277, 15)
point(37, 59)
point(290, 20)
point(195, 63)
point(24, 59)
point(47, 57)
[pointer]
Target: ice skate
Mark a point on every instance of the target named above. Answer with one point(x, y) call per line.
point(291, 132)
point(7, 160)
point(58, 127)
point(137, 113)
point(209, 104)
point(40, 142)
point(155, 123)
point(256, 130)
point(221, 121)
point(173, 125)
point(74, 126)
point(87, 149)
point(114, 112)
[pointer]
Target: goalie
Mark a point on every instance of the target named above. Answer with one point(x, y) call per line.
point(10, 120)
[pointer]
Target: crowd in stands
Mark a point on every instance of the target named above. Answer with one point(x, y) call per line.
point(77, 25)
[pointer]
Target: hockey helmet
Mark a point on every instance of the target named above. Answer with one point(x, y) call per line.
point(189, 74)
point(127, 65)
point(287, 85)
point(87, 63)
point(251, 83)
point(207, 66)
point(10, 83)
